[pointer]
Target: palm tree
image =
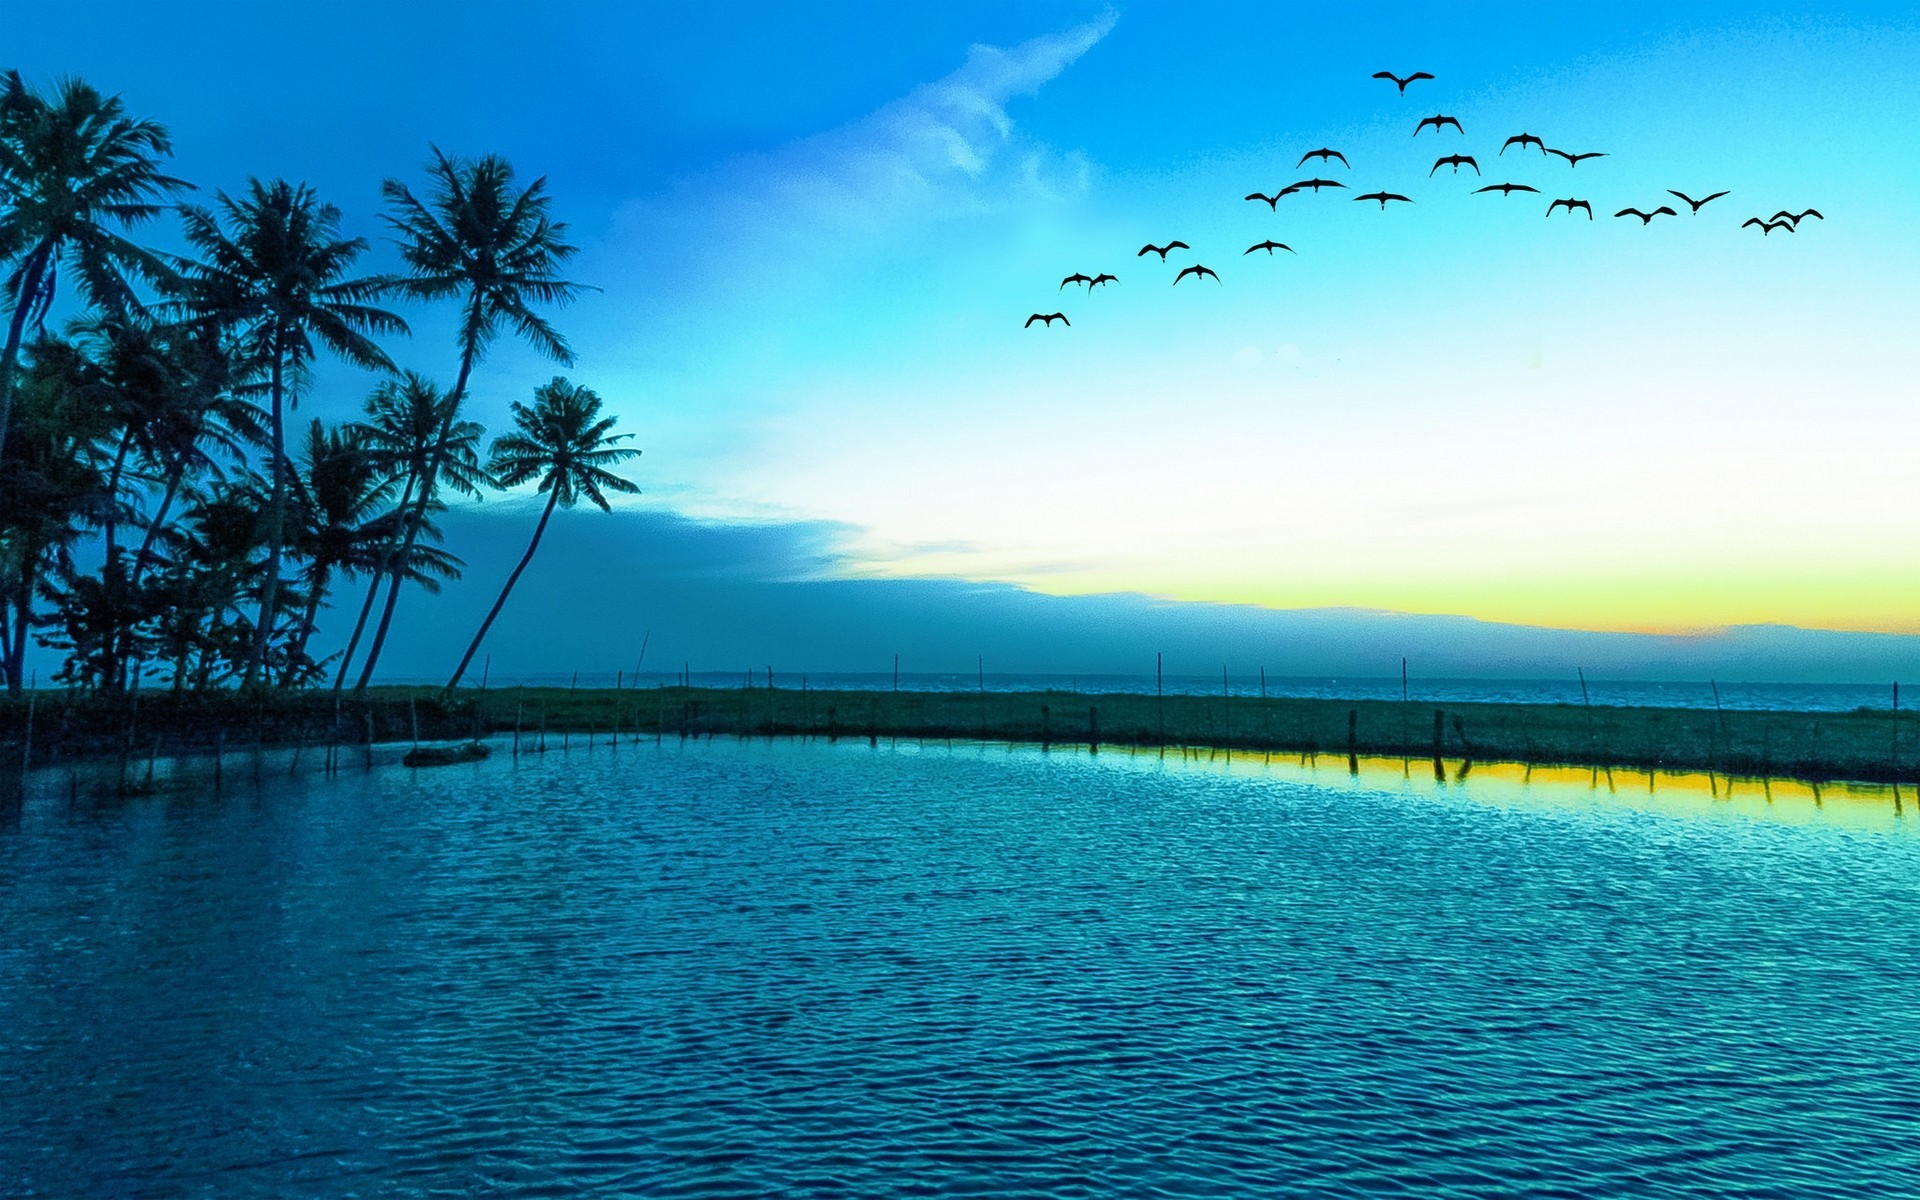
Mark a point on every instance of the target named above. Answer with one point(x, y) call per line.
point(70, 169)
point(564, 443)
point(496, 247)
point(275, 274)
point(413, 433)
point(52, 485)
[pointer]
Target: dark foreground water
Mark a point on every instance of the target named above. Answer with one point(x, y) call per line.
point(810, 970)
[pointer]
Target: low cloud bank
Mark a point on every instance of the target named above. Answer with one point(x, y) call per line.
point(729, 597)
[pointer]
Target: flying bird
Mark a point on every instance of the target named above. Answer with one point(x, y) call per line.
point(1796, 218)
point(1401, 82)
point(1694, 204)
point(1273, 201)
point(1196, 271)
point(1573, 160)
point(1049, 319)
point(1076, 277)
point(1162, 250)
point(1570, 206)
point(1525, 139)
point(1456, 161)
point(1505, 189)
point(1101, 278)
point(1315, 184)
point(1383, 197)
point(1269, 246)
point(1767, 227)
point(1646, 218)
point(1436, 120)
point(1323, 154)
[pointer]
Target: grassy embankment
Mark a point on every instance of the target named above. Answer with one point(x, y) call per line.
point(1864, 745)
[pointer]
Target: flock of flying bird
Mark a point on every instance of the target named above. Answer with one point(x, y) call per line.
point(1780, 220)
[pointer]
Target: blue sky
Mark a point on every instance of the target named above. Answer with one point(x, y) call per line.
point(817, 229)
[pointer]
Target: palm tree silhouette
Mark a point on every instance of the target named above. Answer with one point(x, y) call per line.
point(413, 433)
point(499, 250)
point(564, 443)
point(274, 276)
point(70, 168)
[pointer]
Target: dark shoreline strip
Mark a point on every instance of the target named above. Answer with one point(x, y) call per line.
point(1811, 746)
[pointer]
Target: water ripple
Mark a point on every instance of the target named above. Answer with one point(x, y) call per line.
point(726, 969)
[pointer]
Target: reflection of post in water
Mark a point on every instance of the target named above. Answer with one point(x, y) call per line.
point(1439, 736)
point(1466, 749)
point(1896, 745)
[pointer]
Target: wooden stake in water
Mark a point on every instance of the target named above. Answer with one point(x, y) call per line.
point(1226, 709)
point(413, 715)
point(1896, 743)
point(1263, 682)
point(26, 747)
point(1593, 747)
point(486, 667)
point(896, 672)
point(1160, 694)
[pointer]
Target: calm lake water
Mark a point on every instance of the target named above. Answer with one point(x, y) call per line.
point(784, 969)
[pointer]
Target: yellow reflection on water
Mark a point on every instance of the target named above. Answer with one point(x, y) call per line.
point(1695, 794)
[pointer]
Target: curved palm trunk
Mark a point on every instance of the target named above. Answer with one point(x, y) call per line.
point(175, 477)
point(23, 618)
point(512, 579)
point(31, 280)
point(112, 528)
point(397, 569)
point(276, 526)
point(322, 575)
point(387, 560)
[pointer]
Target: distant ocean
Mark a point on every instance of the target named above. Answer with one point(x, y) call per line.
point(1772, 697)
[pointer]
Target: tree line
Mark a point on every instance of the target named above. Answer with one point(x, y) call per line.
point(154, 427)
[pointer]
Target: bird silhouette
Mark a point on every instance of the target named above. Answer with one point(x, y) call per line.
point(1101, 278)
point(1573, 160)
point(1436, 120)
point(1269, 246)
point(1315, 184)
point(1795, 218)
point(1162, 250)
point(1646, 218)
point(1196, 271)
point(1383, 197)
point(1272, 201)
point(1767, 227)
point(1505, 189)
point(1076, 277)
point(1401, 82)
point(1049, 319)
point(1323, 154)
point(1691, 202)
point(1456, 161)
point(1570, 206)
point(1525, 139)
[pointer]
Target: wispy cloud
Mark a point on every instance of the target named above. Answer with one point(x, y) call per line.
point(946, 148)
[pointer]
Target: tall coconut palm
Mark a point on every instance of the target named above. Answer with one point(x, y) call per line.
point(564, 442)
point(494, 246)
point(273, 269)
point(70, 170)
point(414, 434)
